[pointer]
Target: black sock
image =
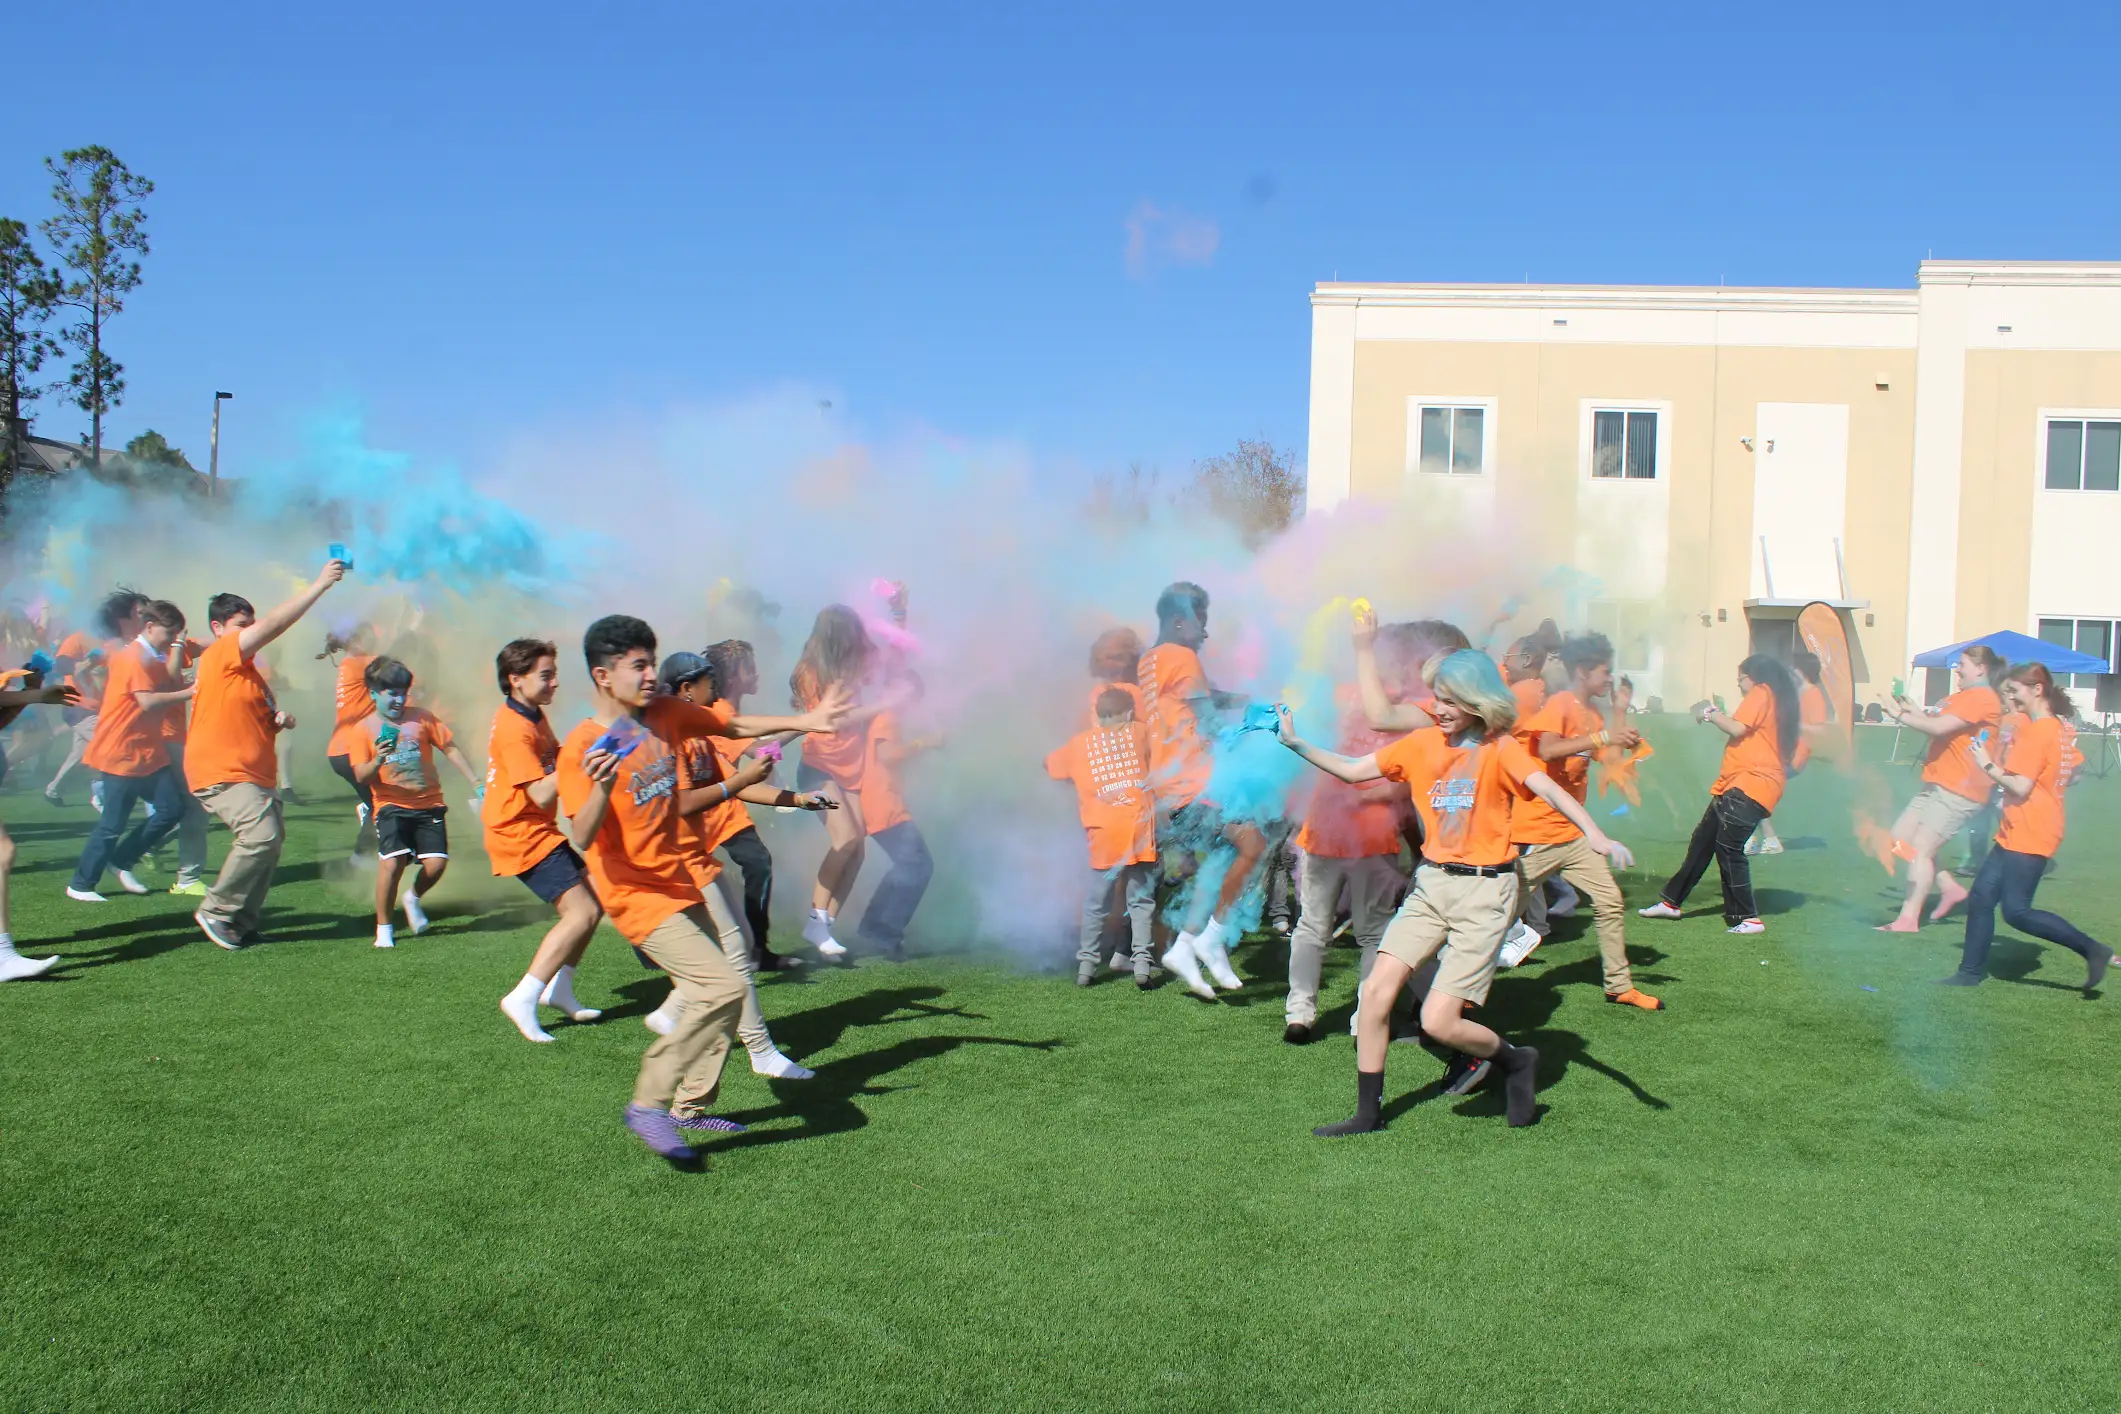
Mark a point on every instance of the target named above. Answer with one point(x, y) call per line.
point(1520, 1065)
point(1369, 1096)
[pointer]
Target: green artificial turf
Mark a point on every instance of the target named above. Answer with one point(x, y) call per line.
point(313, 1176)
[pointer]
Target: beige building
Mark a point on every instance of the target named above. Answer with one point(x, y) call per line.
point(1688, 468)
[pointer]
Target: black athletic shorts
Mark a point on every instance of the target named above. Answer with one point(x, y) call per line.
point(420, 834)
point(555, 874)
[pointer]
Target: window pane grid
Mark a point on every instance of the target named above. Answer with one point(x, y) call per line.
point(1453, 440)
point(1642, 446)
point(1608, 433)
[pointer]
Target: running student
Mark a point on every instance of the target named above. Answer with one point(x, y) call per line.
point(839, 657)
point(890, 825)
point(1466, 772)
point(1954, 788)
point(734, 668)
point(176, 731)
point(14, 967)
point(1814, 712)
point(82, 658)
point(393, 754)
point(1109, 766)
point(1564, 733)
point(1756, 764)
point(519, 815)
point(351, 706)
point(1175, 692)
point(711, 804)
point(130, 752)
point(231, 762)
point(618, 787)
point(2032, 779)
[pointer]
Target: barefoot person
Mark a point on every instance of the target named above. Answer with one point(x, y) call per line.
point(618, 787)
point(2031, 777)
point(1466, 772)
point(232, 762)
point(1565, 733)
point(519, 816)
point(1954, 788)
point(14, 967)
point(392, 753)
point(1756, 764)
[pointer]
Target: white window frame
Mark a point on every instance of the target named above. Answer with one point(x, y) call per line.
point(2076, 623)
point(1490, 421)
point(1587, 421)
point(2040, 422)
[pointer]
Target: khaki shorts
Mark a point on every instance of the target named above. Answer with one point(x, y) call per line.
point(1458, 919)
point(1942, 812)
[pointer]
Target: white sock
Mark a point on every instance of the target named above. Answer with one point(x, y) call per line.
point(414, 914)
point(386, 936)
point(521, 1007)
point(770, 1062)
point(559, 994)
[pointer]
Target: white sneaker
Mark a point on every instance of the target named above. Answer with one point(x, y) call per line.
point(525, 1017)
point(95, 797)
point(1772, 845)
point(662, 1022)
point(415, 915)
point(776, 1066)
point(1563, 903)
point(361, 813)
point(131, 885)
point(386, 936)
point(817, 931)
point(1181, 963)
point(14, 967)
point(1659, 909)
point(1751, 925)
point(1519, 944)
point(1212, 949)
point(84, 895)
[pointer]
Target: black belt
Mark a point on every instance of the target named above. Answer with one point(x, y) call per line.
point(1474, 871)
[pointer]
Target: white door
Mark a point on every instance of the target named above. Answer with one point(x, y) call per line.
point(1800, 499)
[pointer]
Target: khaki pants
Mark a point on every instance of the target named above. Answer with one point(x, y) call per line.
point(724, 902)
point(79, 735)
point(1458, 921)
point(682, 1072)
point(1587, 870)
point(252, 814)
point(1374, 884)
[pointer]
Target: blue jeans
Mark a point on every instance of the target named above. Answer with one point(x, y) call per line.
point(2009, 878)
point(164, 790)
point(891, 907)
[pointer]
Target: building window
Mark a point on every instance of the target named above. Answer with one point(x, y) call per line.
point(2093, 636)
point(1623, 445)
point(1627, 624)
point(1453, 440)
point(2083, 454)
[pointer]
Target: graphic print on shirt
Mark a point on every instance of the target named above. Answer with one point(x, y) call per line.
point(398, 746)
point(1452, 796)
point(656, 779)
point(1116, 766)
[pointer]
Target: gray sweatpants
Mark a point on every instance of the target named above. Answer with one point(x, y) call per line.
point(1137, 886)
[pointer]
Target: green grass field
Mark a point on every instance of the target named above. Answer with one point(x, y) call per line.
point(312, 1176)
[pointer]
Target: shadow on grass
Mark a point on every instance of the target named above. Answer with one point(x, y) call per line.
point(2013, 960)
point(826, 1104)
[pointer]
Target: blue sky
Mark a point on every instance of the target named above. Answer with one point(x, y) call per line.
point(1087, 230)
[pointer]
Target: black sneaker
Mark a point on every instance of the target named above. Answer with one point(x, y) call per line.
point(1297, 1033)
point(1465, 1073)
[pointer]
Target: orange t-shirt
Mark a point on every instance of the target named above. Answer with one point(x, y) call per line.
point(232, 731)
point(1465, 793)
point(1563, 715)
point(86, 678)
point(1171, 678)
point(407, 780)
point(1531, 695)
point(520, 752)
point(638, 856)
point(176, 719)
point(732, 817)
point(1110, 769)
point(840, 755)
point(1097, 690)
point(1353, 822)
point(129, 739)
point(2034, 825)
point(351, 704)
point(882, 805)
point(1753, 762)
point(1950, 764)
point(701, 763)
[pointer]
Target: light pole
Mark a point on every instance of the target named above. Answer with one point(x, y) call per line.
point(213, 448)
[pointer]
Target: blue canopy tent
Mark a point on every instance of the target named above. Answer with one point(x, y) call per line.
point(2017, 648)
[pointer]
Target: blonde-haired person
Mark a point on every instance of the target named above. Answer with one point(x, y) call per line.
point(1465, 771)
point(1756, 766)
point(2031, 777)
point(1954, 788)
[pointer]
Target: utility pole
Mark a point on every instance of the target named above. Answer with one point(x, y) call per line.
point(213, 448)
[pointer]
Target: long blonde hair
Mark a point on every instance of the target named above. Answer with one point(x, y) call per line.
point(1471, 679)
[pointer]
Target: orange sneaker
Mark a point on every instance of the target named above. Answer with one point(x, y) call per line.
point(1632, 997)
